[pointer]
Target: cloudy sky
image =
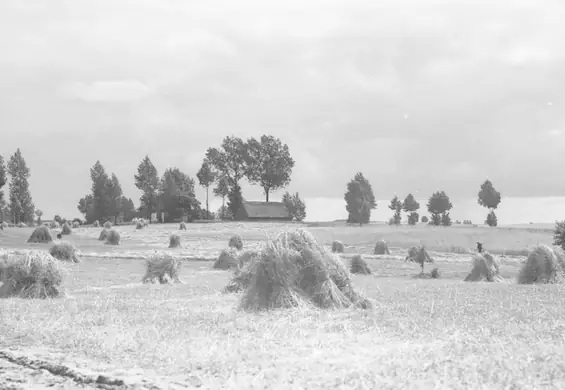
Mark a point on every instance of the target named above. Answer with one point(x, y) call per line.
point(419, 95)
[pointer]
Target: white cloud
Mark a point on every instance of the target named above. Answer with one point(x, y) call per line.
point(107, 91)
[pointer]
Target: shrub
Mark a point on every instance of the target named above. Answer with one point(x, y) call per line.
point(227, 259)
point(163, 267)
point(103, 235)
point(65, 251)
point(295, 271)
point(381, 248)
point(113, 237)
point(76, 225)
point(66, 230)
point(425, 219)
point(108, 225)
point(236, 242)
point(96, 224)
point(543, 265)
point(55, 225)
point(41, 234)
point(337, 247)
point(32, 275)
point(174, 241)
point(485, 267)
point(182, 226)
point(359, 265)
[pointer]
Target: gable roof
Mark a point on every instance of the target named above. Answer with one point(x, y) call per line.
point(265, 209)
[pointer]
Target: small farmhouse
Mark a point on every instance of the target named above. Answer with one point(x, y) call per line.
point(262, 211)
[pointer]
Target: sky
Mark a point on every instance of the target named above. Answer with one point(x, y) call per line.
point(419, 95)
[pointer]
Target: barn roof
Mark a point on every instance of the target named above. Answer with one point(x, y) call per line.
point(265, 209)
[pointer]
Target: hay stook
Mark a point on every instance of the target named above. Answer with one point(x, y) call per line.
point(381, 248)
point(543, 265)
point(359, 266)
point(174, 241)
point(227, 259)
point(162, 267)
point(337, 247)
point(65, 251)
point(41, 234)
point(484, 267)
point(236, 242)
point(113, 237)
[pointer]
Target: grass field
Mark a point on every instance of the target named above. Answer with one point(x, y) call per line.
point(440, 333)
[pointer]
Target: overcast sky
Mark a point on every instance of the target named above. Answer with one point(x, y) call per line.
point(419, 95)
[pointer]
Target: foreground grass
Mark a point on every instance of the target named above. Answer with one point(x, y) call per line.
point(421, 333)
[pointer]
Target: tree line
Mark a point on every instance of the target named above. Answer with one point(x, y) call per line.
point(265, 162)
point(360, 200)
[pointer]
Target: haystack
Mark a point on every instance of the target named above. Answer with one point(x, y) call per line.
point(113, 237)
point(485, 267)
point(55, 225)
point(96, 224)
point(140, 225)
point(22, 225)
point(236, 242)
point(66, 230)
point(163, 267)
point(381, 248)
point(65, 251)
point(32, 275)
point(108, 225)
point(41, 234)
point(293, 271)
point(174, 241)
point(103, 235)
point(243, 272)
point(337, 247)
point(359, 266)
point(76, 225)
point(543, 265)
point(419, 254)
point(182, 226)
point(227, 259)
point(4, 224)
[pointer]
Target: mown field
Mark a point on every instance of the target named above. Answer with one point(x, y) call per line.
point(440, 333)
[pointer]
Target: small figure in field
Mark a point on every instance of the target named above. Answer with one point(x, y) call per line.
point(479, 247)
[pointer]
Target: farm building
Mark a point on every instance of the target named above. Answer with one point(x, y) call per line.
point(261, 211)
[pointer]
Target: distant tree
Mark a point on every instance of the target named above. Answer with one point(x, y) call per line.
point(445, 219)
point(39, 214)
point(99, 191)
point(127, 208)
point(235, 200)
point(86, 208)
point(490, 198)
point(57, 218)
point(411, 207)
point(206, 177)
point(147, 180)
point(222, 190)
point(559, 234)
point(295, 206)
point(114, 194)
point(3, 177)
point(230, 160)
point(396, 206)
point(492, 219)
point(359, 200)
point(21, 203)
point(176, 195)
point(425, 219)
point(438, 206)
point(268, 163)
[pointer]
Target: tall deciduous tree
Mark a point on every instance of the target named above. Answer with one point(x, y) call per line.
point(490, 198)
point(86, 208)
point(206, 177)
point(359, 200)
point(269, 163)
point(3, 177)
point(411, 207)
point(439, 205)
point(21, 203)
point(176, 195)
point(114, 194)
point(147, 180)
point(396, 206)
point(99, 191)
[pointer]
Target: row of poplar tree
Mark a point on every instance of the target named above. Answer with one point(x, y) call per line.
point(360, 200)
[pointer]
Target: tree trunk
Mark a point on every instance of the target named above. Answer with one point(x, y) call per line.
point(223, 207)
point(207, 209)
point(267, 194)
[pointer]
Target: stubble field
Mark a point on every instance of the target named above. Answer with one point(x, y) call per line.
point(440, 333)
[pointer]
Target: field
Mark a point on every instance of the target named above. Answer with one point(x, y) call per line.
point(440, 333)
